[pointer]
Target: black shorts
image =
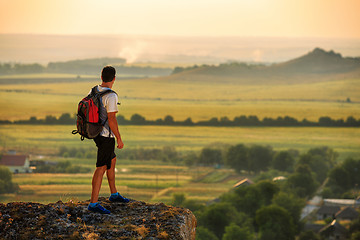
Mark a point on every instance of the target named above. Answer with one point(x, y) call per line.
point(106, 151)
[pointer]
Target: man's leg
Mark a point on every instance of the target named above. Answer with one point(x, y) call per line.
point(115, 196)
point(96, 183)
point(110, 173)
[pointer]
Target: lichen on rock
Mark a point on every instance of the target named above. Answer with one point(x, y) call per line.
point(70, 220)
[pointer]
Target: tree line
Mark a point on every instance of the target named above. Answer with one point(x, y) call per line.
point(137, 119)
point(87, 66)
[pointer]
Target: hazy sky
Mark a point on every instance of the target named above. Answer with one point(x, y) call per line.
point(274, 18)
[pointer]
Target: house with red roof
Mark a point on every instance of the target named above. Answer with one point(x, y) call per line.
point(16, 163)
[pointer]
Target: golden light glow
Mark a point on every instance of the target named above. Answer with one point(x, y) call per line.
point(282, 18)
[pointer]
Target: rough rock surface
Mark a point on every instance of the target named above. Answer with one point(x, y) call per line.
point(134, 220)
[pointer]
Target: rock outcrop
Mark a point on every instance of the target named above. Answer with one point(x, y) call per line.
point(70, 220)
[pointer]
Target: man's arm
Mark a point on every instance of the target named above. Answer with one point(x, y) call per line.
point(115, 129)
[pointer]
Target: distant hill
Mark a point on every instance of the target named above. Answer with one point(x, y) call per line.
point(320, 62)
point(317, 65)
point(83, 66)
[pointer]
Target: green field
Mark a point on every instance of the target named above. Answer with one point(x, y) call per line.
point(47, 139)
point(145, 181)
point(156, 98)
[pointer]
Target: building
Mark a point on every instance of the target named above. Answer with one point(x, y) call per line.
point(334, 231)
point(342, 202)
point(244, 182)
point(347, 213)
point(16, 163)
point(325, 212)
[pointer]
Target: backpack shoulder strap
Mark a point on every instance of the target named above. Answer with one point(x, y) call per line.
point(106, 92)
point(94, 91)
point(100, 94)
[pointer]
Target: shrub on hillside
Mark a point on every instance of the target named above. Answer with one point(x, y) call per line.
point(6, 184)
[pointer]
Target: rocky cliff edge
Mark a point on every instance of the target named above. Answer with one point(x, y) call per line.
point(70, 220)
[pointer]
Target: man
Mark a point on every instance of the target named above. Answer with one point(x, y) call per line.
point(105, 142)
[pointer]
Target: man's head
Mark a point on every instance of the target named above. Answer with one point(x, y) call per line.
point(108, 74)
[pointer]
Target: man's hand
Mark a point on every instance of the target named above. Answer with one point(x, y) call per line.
point(120, 144)
point(114, 128)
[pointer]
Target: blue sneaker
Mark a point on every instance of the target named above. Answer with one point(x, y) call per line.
point(118, 198)
point(99, 209)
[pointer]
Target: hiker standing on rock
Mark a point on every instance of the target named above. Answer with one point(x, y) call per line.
point(105, 142)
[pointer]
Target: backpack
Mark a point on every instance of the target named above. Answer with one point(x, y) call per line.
point(88, 120)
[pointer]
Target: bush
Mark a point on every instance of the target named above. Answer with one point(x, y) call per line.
point(203, 233)
point(90, 155)
point(219, 215)
point(233, 231)
point(275, 223)
point(283, 161)
point(193, 205)
point(178, 199)
point(6, 184)
point(79, 155)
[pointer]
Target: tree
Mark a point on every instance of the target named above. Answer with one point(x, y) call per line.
point(253, 120)
point(351, 122)
point(339, 177)
point(327, 153)
point(345, 176)
point(169, 153)
point(178, 199)
point(217, 216)
point(209, 156)
point(355, 236)
point(248, 199)
point(302, 181)
point(234, 232)
point(50, 119)
point(245, 199)
point(283, 161)
point(267, 189)
point(352, 166)
point(188, 122)
point(260, 158)
point(213, 122)
point(33, 120)
point(237, 158)
point(326, 121)
point(6, 184)
point(241, 121)
point(317, 164)
point(137, 119)
point(190, 159)
point(275, 223)
point(121, 119)
point(320, 160)
point(65, 118)
point(202, 233)
point(292, 204)
point(225, 121)
point(309, 235)
point(169, 120)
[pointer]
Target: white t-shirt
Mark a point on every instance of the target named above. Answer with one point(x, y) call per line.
point(109, 103)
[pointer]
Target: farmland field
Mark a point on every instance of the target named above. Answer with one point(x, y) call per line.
point(156, 98)
point(47, 139)
point(145, 181)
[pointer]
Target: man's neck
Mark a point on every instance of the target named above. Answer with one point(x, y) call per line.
point(106, 84)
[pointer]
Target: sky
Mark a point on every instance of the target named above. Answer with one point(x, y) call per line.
point(215, 18)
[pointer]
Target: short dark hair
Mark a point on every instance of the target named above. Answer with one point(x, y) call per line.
point(108, 73)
